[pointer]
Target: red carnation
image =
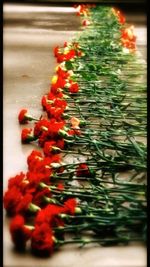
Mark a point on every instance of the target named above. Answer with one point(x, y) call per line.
point(42, 167)
point(74, 88)
point(62, 73)
point(69, 206)
point(19, 232)
point(50, 215)
point(22, 117)
point(54, 128)
point(83, 170)
point(41, 126)
point(16, 181)
point(121, 18)
point(60, 187)
point(60, 83)
point(54, 112)
point(52, 159)
point(61, 103)
point(38, 198)
point(79, 53)
point(56, 51)
point(48, 147)
point(60, 143)
point(12, 198)
point(53, 95)
point(35, 177)
point(27, 136)
point(44, 101)
point(42, 241)
point(34, 156)
point(60, 58)
point(24, 203)
point(71, 54)
point(74, 132)
point(86, 22)
point(43, 138)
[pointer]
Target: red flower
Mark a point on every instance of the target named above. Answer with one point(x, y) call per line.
point(44, 101)
point(128, 38)
point(41, 126)
point(79, 53)
point(69, 206)
point(61, 58)
point(74, 132)
point(60, 103)
point(22, 117)
point(121, 18)
point(27, 136)
point(56, 51)
point(50, 215)
point(54, 128)
point(60, 83)
point(24, 203)
point(54, 112)
point(16, 181)
point(12, 198)
point(56, 109)
point(86, 22)
point(48, 147)
point(60, 187)
point(66, 56)
point(34, 157)
point(119, 15)
point(52, 96)
point(43, 138)
point(15, 201)
point(60, 143)
point(19, 232)
point(62, 73)
point(74, 88)
point(71, 54)
point(35, 177)
point(38, 197)
point(83, 170)
point(42, 167)
point(42, 240)
point(53, 158)
point(129, 34)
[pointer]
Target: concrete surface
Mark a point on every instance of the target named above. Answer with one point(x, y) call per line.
point(30, 34)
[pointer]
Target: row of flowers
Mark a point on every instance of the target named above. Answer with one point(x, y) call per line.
point(32, 190)
point(45, 207)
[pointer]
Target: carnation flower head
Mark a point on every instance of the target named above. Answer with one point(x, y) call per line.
point(20, 233)
point(83, 170)
point(27, 135)
point(69, 206)
point(42, 241)
point(22, 117)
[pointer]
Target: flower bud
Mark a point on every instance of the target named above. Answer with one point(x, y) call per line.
point(78, 210)
point(33, 208)
point(63, 133)
point(56, 149)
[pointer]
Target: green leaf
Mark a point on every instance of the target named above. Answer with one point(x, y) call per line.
point(68, 65)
